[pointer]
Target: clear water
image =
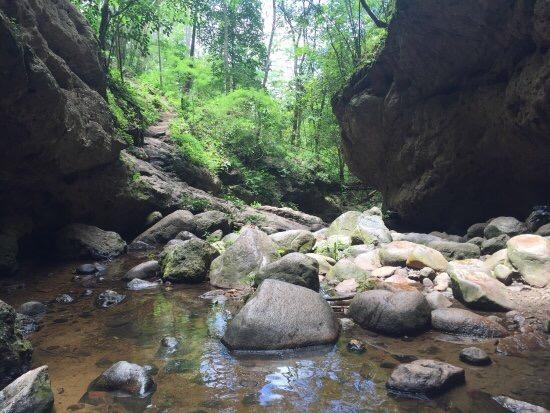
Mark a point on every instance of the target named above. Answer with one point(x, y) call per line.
point(78, 341)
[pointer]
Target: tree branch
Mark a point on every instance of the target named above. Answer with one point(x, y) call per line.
point(376, 21)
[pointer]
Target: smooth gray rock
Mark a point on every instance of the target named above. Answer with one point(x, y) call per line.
point(474, 356)
point(492, 245)
point(207, 222)
point(424, 377)
point(417, 238)
point(138, 284)
point(504, 225)
point(108, 298)
point(476, 230)
point(32, 308)
point(399, 313)
point(294, 268)
point(464, 322)
point(456, 250)
point(544, 231)
point(29, 393)
point(124, 377)
point(148, 269)
point(437, 300)
point(166, 229)
point(282, 316)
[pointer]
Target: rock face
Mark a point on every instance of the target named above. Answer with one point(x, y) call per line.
point(15, 350)
point(390, 313)
point(29, 393)
point(282, 316)
point(236, 267)
point(483, 95)
point(424, 377)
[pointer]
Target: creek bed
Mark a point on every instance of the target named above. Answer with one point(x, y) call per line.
point(78, 341)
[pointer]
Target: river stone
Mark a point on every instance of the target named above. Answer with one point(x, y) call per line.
point(544, 231)
point(476, 241)
point(187, 261)
point(383, 272)
point(422, 256)
point(396, 253)
point(124, 377)
point(456, 250)
point(476, 288)
point(346, 269)
point(294, 240)
point(238, 265)
point(476, 230)
point(467, 323)
point(64, 299)
point(15, 351)
point(492, 245)
point(415, 238)
point(211, 221)
point(169, 342)
point(347, 286)
point(294, 268)
point(166, 229)
point(30, 392)
point(86, 269)
point(368, 261)
point(442, 281)
point(448, 237)
point(530, 254)
point(345, 224)
point(282, 316)
point(108, 298)
point(437, 300)
point(391, 313)
point(138, 284)
point(355, 250)
point(86, 241)
point(504, 273)
point(499, 257)
point(504, 225)
point(424, 377)
point(474, 356)
point(148, 269)
point(32, 308)
point(538, 217)
point(518, 406)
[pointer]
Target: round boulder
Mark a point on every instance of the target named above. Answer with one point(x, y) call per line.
point(295, 240)
point(398, 313)
point(422, 256)
point(210, 221)
point(148, 269)
point(504, 225)
point(187, 261)
point(282, 316)
point(396, 253)
point(86, 241)
point(30, 392)
point(466, 323)
point(127, 378)
point(475, 356)
point(530, 254)
point(294, 268)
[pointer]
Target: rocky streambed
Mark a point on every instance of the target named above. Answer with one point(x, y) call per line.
point(416, 322)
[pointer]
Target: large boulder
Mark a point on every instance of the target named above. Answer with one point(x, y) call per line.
point(456, 250)
point(147, 269)
point(210, 221)
point(464, 322)
point(346, 269)
point(238, 265)
point(86, 241)
point(368, 227)
point(424, 378)
point(282, 316)
point(294, 268)
point(187, 261)
point(440, 129)
point(125, 378)
point(474, 286)
point(530, 254)
point(345, 224)
point(400, 313)
point(504, 226)
point(396, 253)
point(30, 392)
point(166, 229)
point(15, 350)
point(476, 230)
point(294, 241)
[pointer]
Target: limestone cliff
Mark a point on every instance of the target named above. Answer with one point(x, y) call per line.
point(452, 120)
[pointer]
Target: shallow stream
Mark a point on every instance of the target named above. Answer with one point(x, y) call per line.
point(78, 341)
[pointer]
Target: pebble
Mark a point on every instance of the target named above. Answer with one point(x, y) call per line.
point(356, 346)
point(475, 356)
point(64, 299)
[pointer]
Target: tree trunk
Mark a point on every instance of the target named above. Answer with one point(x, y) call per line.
point(227, 75)
point(373, 17)
point(159, 57)
point(193, 35)
point(270, 44)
